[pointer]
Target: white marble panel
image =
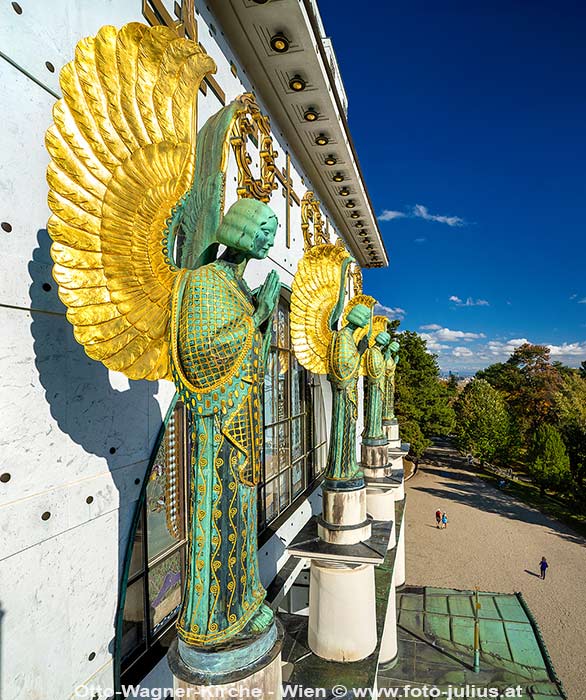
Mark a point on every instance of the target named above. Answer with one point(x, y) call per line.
point(21, 522)
point(59, 600)
point(25, 262)
point(49, 31)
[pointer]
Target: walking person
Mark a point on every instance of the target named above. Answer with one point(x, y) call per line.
point(444, 520)
point(543, 566)
point(438, 517)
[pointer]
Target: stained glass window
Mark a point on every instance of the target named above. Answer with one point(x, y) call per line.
point(157, 563)
point(294, 434)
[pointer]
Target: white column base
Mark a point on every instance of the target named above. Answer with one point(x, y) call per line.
point(380, 504)
point(399, 573)
point(389, 645)
point(342, 615)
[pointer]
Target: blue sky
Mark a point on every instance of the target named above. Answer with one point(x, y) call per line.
point(470, 124)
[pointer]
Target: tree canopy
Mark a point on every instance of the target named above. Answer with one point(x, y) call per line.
point(482, 421)
point(421, 402)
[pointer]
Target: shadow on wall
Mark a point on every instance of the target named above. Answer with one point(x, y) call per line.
point(109, 423)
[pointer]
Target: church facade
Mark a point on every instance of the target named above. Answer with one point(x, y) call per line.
point(94, 475)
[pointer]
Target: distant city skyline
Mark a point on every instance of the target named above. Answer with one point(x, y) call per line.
point(469, 124)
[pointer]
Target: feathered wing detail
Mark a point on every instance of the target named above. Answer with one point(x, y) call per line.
point(123, 156)
point(379, 325)
point(315, 294)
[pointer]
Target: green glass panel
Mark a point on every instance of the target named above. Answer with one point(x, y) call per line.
point(133, 632)
point(165, 582)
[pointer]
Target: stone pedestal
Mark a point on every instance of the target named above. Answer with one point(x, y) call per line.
point(375, 460)
point(389, 646)
point(344, 519)
point(225, 674)
point(342, 616)
point(391, 429)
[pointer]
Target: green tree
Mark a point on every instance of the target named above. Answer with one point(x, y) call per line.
point(570, 403)
point(421, 399)
point(482, 420)
point(528, 381)
point(550, 464)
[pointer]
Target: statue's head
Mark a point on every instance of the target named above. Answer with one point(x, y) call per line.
point(359, 316)
point(394, 347)
point(250, 227)
point(382, 339)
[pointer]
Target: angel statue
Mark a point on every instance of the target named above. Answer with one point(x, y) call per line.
point(391, 355)
point(136, 225)
point(317, 302)
point(373, 368)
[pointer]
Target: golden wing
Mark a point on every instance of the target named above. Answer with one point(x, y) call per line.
point(315, 294)
point(379, 325)
point(123, 154)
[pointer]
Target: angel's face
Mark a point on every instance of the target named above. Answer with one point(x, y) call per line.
point(264, 238)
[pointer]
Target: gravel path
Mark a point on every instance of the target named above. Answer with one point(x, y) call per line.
point(496, 542)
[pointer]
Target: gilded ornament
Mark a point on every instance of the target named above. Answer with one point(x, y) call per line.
point(311, 216)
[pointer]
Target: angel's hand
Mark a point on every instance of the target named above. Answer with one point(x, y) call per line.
point(267, 299)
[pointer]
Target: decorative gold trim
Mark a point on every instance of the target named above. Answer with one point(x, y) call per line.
point(356, 276)
point(311, 214)
point(252, 123)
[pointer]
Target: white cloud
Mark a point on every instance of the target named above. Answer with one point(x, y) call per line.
point(462, 352)
point(389, 215)
point(505, 348)
point(469, 301)
point(582, 301)
point(568, 350)
point(420, 240)
point(422, 212)
point(447, 335)
point(419, 211)
point(432, 343)
point(430, 327)
point(389, 311)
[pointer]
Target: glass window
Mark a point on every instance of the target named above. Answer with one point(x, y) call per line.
point(294, 447)
point(153, 593)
